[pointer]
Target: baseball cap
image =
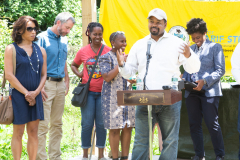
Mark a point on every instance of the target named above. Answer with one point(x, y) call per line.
point(158, 13)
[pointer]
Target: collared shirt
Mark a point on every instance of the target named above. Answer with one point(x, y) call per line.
point(235, 62)
point(198, 51)
point(56, 49)
point(165, 62)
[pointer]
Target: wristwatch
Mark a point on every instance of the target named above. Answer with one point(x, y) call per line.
point(204, 80)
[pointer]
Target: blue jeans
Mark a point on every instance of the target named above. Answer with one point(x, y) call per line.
point(239, 126)
point(92, 111)
point(168, 118)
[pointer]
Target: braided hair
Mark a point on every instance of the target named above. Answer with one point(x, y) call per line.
point(90, 29)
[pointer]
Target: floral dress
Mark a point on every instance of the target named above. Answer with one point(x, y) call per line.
point(114, 116)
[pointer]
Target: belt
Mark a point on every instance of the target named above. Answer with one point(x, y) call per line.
point(54, 79)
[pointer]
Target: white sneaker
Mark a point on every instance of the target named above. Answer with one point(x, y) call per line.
point(103, 158)
point(84, 158)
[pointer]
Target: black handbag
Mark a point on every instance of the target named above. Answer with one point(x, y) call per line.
point(190, 85)
point(80, 93)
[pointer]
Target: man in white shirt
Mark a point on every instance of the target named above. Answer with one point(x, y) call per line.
point(168, 53)
point(235, 61)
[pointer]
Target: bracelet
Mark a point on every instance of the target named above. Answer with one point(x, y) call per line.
point(204, 81)
point(122, 65)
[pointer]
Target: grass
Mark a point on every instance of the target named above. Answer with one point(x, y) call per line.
point(71, 141)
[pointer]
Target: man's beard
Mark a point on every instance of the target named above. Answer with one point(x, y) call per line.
point(154, 33)
point(60, 32)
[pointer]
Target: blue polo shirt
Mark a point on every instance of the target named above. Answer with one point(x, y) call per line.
point(56, 48)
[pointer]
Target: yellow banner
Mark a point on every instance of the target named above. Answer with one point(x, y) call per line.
point(130, 16)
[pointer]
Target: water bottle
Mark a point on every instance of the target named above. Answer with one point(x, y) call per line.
point(175, 82)
point(139, 83)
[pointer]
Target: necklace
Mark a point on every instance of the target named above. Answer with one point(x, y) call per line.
point(93, 49)
point(31, 61)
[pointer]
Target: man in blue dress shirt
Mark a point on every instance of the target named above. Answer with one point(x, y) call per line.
point(53, 40)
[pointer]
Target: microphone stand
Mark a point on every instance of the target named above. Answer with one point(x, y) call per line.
point(149, 56)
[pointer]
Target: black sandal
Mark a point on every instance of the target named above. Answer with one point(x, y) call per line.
point(115, 159)
point(125, 157)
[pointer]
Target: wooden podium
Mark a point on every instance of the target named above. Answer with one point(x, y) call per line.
point(149, 98)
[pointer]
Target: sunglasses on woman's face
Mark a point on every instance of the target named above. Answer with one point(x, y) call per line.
point(30, 29)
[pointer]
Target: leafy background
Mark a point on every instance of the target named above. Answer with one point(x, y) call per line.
point(45, 11)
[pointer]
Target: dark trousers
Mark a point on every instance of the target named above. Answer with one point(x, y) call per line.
point(239, 125)
point(239, 142)
point(199, 106)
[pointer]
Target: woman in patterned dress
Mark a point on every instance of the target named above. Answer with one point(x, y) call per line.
point(116, 118)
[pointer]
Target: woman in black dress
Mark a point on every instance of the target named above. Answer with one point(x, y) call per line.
point(31, 74)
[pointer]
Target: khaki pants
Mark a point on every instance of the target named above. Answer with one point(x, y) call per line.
point(53, 111)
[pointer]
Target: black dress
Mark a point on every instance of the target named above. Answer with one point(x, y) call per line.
point(23, 113)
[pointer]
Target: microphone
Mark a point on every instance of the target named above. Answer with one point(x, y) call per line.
point(148, 49)
point(148, 60)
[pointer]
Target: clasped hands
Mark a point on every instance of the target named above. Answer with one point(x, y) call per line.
point(31, 97)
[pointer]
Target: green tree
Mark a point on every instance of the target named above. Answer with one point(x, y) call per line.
point(44, 11)
point(5, 39)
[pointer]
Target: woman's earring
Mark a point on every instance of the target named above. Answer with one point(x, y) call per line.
point(113, 46)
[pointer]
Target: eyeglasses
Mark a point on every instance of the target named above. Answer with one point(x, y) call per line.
point(30, 29)
point(118, 32)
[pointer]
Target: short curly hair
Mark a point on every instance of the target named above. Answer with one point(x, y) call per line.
point(196, 25)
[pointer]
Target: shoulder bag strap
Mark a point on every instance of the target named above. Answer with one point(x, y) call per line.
point(100, 52)
point(14, 66)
